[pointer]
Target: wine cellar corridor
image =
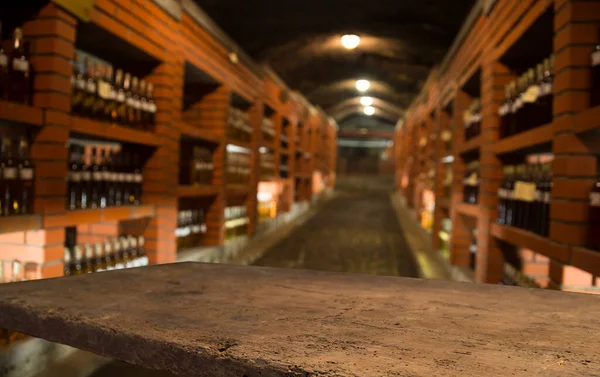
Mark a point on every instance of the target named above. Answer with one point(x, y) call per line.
point(257, 188)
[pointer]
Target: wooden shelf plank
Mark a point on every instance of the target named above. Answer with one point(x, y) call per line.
point(91, 216)
point(198, 133)
point(536, 136)
point(529, 240)
point(586, 259)
point(468, 209)
point(588, 120)
point(470, 145)
point(17, 113)
point(20, 223)
point(197, 190)
point(113, 132)
point(239, 143)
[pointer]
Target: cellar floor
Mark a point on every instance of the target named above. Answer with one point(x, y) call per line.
point(355, 232)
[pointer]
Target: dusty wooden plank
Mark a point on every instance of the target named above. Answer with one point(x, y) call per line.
point(217, 320)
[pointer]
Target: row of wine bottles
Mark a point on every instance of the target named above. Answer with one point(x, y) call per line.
point(238, 168)
point(191, 225)
point(101, 93)
point(15, 72)
point(103, 177)
point(198, 170)
point(16, 178)
point(236, 221)
point(472, 119)
point(113, 254)
point(471, 183)
point(267, 165)
point(238, 125)
point(268, 130)
point(524, 197)
point(528, 100)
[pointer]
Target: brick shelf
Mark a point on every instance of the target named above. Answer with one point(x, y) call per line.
point(524, 140)
point(197, 190)
point(468, 209)
point(17, 113)
point(588, 120)
point(198, 133)
point(20, 223)
point(586, 259)
point(470, 145)
point(109, 131)
point(92, 216)
point(522, 238)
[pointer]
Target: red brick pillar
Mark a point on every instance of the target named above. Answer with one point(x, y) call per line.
point(52, 37)
point(490, 261)
point(576, 26)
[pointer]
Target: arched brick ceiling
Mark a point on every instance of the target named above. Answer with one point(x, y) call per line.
point(401, 41)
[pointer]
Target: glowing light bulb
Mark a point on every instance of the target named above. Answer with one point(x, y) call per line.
point(350, 41)
point(366, 101)
point(363, 85)
point(369, 110)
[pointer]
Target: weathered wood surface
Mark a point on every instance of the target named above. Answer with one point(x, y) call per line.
point(216, 320)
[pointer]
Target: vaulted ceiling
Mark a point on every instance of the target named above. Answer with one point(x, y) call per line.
point(401, 40)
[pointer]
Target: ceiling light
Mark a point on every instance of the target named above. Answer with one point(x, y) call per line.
point(366, 101)
point(350, 41)
point(363, 85)
point(369, 110)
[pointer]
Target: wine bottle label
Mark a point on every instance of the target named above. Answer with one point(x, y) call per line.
point(525, 191)
point(538, 196)
point(119, 266)
point(195, 229)
point(74, 176)
point(26, 174)
point(112, 95)
point(91, 87)
point(97, 176)
point(546, 197)
point(531, 94)
point(144, 261)
point(596, 58)
point(502, 193)
point(121, 177)
point(137, 104)
point(80, 83)
point(106, 175)
point(129, 177)
point(3, 60)
point(120, 96)
point(203, 228)
point(129, 102)
point(595, 199)
point(20, 65)
point(138, 178)
point(114, 177)
point(10, 173)
point(86, 176)
point(503, 110)
point(546, 89)
point(152, 107)
point(517, 105)
point(103, 90)
point(510, 194)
